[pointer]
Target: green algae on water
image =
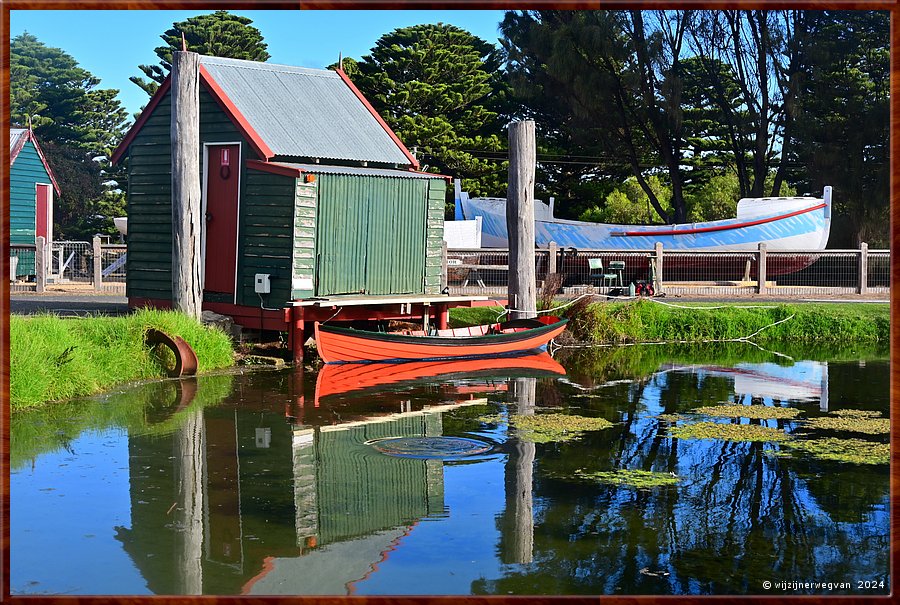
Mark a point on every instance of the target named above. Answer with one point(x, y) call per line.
point(851, 421)
point(630, 478)
point(545, 428)
point(671, 418)
point(757, 412)
point(728, 432)
point(855, 451)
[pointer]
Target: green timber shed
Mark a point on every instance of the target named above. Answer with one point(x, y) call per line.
point(302, 181)
point(31, 190)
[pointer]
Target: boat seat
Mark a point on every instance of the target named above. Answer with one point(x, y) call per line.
point(465, 331)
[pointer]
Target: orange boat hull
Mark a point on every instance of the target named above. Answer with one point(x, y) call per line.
point(341, 345)
point(335, 379)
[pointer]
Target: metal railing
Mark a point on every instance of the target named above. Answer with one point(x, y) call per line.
point(95, 266)
point(789, 273)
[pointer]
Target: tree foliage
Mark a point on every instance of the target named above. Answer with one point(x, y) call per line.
point(78, 125)
point(61, 99)
point(219, 34)
point(441, 90)
point(617, 76)
point(843, 123)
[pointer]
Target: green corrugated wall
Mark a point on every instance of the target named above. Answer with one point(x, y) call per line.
point(26, 172)
point(360, 490)
point(378, 235)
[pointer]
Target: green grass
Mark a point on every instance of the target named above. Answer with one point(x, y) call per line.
point(54, 359)
point(648, 321)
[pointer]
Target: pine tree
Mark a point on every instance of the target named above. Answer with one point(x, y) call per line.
point(219, 34)
point(60, 99)
point(442, 91)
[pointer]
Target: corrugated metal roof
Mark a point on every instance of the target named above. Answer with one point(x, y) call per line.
point(304, 112)
point(353, 170)
point(16, 139)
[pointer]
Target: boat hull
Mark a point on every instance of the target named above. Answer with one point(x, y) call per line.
point(782, 224)
point(344, 345)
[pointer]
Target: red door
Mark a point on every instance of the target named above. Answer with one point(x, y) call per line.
point(223, 170)
point(43, 212)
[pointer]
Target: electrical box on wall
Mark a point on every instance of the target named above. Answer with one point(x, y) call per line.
point(262, 283)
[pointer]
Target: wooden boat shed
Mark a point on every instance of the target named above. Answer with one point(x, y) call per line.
point(313, 207)
point(31, 189)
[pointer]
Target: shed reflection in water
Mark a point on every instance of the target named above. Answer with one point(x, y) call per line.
point(276, 489)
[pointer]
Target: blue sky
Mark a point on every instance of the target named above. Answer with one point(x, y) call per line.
point(111, 44)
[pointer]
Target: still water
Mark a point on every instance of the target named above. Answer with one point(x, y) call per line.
point(279, 482)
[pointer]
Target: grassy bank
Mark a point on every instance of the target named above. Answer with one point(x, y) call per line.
point(54, 358)
point(648, 321)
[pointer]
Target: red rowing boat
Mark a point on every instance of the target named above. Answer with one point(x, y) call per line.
point(347, 345)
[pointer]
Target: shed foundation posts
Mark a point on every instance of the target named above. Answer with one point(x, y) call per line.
point(295, 334)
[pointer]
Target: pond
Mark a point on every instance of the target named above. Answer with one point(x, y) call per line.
point(610, 471)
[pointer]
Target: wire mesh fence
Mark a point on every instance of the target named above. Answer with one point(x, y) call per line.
point(112, 264)
point(788, 273)
point(70, 261)
point(90, 265)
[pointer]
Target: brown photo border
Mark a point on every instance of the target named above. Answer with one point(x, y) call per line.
point(886, 5)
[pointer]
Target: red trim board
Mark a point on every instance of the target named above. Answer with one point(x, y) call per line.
point(221, 98)
point(274, 168)
point(142, 119)
point(413, 161)
point(234, 113)
point(20, 145)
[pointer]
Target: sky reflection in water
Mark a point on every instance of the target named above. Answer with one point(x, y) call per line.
point(266, 483)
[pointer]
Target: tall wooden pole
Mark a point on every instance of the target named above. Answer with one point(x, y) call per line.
point(520, 220)
point(185, 135)
point(517, 521)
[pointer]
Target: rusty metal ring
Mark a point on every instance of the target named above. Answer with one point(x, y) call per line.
point(185, 358)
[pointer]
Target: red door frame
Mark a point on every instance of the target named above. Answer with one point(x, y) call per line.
point(43, 211)
point(221, 229)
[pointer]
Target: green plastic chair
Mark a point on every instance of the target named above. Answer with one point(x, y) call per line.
point(607, 278)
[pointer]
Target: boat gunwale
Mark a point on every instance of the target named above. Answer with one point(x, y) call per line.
point(443, 341)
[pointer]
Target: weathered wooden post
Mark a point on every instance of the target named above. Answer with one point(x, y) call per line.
point(522, 290)
point(863, 268)
point(185, 135)
point(98, 264)
point(40, 264)
point(517, 521)
point(761, 284)
point(553, 251)
point(658, 273)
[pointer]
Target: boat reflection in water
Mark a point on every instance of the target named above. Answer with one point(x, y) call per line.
point(349, 504)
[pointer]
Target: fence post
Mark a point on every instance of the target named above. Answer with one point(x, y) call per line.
point(761, 283)
point(658, 273)
point(444, 280)
point(40, 264)
point(552, 250)
point(98, 265)
point(864, 268)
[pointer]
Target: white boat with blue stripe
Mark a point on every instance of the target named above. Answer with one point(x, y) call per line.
point(782, 223)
